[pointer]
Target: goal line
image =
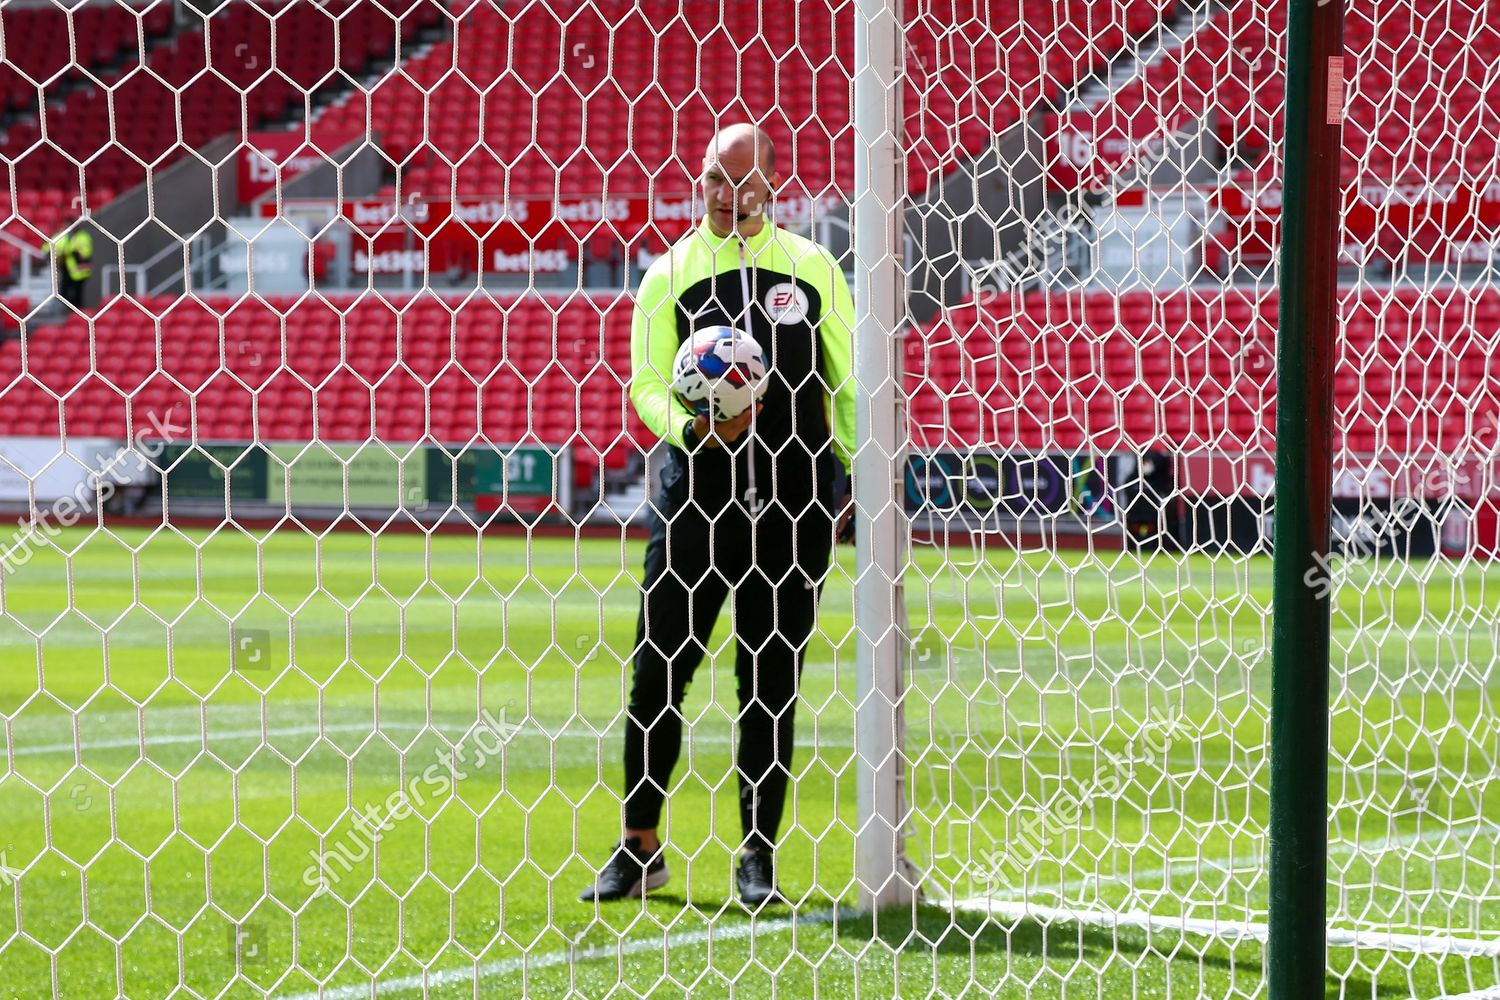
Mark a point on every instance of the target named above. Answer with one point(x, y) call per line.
point(997, 909)
point(1227, 931)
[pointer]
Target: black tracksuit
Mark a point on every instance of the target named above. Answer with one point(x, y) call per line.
point(755, 517)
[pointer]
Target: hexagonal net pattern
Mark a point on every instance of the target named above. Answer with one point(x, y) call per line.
point(388, 574)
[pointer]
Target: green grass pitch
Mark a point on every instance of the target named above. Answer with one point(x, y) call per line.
point(1084, 731)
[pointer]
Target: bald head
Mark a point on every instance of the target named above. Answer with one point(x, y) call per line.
point(740, 141)
point(739, 177)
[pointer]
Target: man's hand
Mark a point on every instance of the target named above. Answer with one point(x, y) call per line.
point(841, 530)
point(725, 431)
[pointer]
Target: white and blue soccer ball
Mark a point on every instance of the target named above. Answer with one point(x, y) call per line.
point(720, 371)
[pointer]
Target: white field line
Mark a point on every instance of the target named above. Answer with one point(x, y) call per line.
point(1188, 866)
point(255, 734)
point(527, 730)
point(1489, 994)
point(701, 739)
point(567, 956)
point(999, 903)
point(1243, 862)
point(198, 737)
point(1228, 931)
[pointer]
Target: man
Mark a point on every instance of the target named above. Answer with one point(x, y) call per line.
point(745, 504)
point(73, 254)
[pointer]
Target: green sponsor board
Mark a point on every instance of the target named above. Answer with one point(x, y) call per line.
point(441, 480)
point(198, 471)
point(526, 476)
point(322, 474)
point(525, 470)
point(370, 475)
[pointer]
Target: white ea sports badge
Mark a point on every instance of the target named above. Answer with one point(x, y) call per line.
point(786, 303)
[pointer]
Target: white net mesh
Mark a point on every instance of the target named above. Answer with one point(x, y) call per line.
point(327, 423)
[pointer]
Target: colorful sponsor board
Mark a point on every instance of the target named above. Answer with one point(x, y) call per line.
point(1018, 484)
point(1445, 220)
point(1428, 477)
point(42, 469)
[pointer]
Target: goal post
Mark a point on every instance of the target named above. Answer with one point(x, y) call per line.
point(1301, 646)
point(882, 539)
point(1300, 665)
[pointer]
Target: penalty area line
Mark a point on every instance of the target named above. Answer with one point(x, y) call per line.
point(1226, 931)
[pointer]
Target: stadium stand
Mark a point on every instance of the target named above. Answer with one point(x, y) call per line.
point(87, 134)
point(42, 215)
point(13, 312)
point(1422, 101)
point(1139, 370)
point(406, 370)
point(169, 83)
point(39, 62)
point(39, 44)
point(568, 101)
point(1417, 372)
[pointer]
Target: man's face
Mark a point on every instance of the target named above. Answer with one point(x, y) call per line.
point(735, 191)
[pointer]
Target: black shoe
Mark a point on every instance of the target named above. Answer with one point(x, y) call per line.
point(630, 874)
point(756, 878)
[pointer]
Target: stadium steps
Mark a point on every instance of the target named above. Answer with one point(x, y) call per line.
point(1168, 36)
point(623, 506)
point(375, 69)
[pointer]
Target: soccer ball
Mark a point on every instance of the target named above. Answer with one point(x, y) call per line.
point(720, 371)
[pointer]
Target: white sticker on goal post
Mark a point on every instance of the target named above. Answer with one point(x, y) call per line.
point(1335, 90)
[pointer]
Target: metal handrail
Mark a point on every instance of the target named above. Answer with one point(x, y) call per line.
point(28, 267)
point(136, 271)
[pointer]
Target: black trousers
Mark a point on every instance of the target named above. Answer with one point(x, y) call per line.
point(72, 290)
point(775, 567)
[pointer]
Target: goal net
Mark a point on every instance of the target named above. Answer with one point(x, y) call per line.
point(339, 442)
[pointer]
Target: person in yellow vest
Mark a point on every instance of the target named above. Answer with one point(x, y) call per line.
point(73, 254)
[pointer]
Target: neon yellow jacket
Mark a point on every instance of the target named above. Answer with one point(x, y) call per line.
point(802, 314)
point(74, 252)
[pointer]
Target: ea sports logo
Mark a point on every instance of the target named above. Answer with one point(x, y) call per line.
point(786, 303)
